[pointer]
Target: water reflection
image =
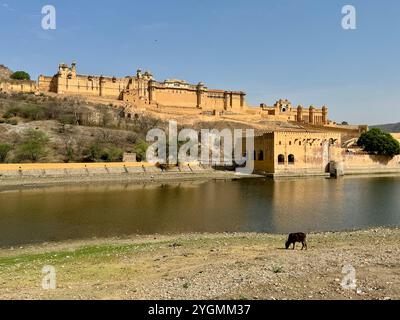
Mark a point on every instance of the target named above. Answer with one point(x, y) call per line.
point(262, 205)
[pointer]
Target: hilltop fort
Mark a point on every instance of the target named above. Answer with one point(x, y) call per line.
point(142, 91)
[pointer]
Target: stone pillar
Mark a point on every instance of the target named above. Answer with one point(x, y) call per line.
point(299, 114)
point(324, 115)
point(101, 86)
point(311, 115)
point(73, 69)
point(200, 89)
point(152, 93)
point(242, 94)
point(225, 100)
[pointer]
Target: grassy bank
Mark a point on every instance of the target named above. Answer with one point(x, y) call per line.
point(238, 266)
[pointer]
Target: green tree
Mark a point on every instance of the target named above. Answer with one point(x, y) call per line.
point(33, 145)
point(5, 148)
point(140, 150)
point(379, 142)
point(21, 75)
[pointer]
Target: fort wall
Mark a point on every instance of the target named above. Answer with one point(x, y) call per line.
point(370, 164)
point(142, 91)
point(23, 86)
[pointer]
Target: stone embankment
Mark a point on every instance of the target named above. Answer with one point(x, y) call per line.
point(65, 173)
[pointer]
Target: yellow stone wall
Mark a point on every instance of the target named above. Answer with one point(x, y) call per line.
point(61, 166)
point(310, 152)
point(23, 86)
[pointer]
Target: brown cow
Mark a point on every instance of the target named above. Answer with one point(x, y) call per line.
point(296, 237)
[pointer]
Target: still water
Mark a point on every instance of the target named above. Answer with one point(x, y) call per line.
point(250, 205)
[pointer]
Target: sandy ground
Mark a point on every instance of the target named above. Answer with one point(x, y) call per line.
point(204, 266)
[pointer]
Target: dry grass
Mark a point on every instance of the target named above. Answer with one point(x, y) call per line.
point(237, 266)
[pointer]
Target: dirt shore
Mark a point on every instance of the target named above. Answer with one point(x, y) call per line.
point(205, 266)
point(33, 182)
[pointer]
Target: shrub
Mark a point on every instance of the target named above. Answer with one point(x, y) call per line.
point(33, 145)
point(21, 75)
point(112, 154)
point(66, 119)
point(277, 269)
point(93, 152)
point(5, 148)
point(140, 150)
point(31, 112)
point(12, 112)
point(379, 142)
point(13, 121)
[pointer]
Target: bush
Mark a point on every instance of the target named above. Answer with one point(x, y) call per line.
point(13, 121)
point(66, 119)
point(93, 152)
point(33, 146)
point(378, 142)
point(31, 112)
point(5, 148)
point(140, 150)
point(12, 112)
point(21, 75)
point(112, 154)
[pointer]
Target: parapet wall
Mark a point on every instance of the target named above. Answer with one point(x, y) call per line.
point(23, 86)
point(88, 169)
point(370, 164)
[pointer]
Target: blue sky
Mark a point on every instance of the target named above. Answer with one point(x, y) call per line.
point(293, 49)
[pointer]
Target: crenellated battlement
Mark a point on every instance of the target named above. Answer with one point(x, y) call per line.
point(141, 90)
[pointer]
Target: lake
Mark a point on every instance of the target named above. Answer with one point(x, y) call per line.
point(248, 205)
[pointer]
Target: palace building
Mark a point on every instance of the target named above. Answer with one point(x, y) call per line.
point(285, 153)
point(142, 90)
point(171, 96)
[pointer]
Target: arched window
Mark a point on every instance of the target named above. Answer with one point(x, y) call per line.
point(261, 155)
point(254, 155)
point(291, 159)
point(281, 159)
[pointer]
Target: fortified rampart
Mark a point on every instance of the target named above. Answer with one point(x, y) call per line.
point(370, 164)
point(143, 91)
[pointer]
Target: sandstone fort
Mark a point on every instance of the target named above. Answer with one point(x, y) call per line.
point(303, 142)
point(172, 95)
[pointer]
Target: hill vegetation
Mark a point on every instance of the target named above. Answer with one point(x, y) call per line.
point(52, 129)
point(390, 127)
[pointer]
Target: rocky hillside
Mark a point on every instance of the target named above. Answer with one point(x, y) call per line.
point(5, 73)
point(390, 127)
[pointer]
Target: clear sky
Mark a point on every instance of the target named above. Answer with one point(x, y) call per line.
point(294, 49)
